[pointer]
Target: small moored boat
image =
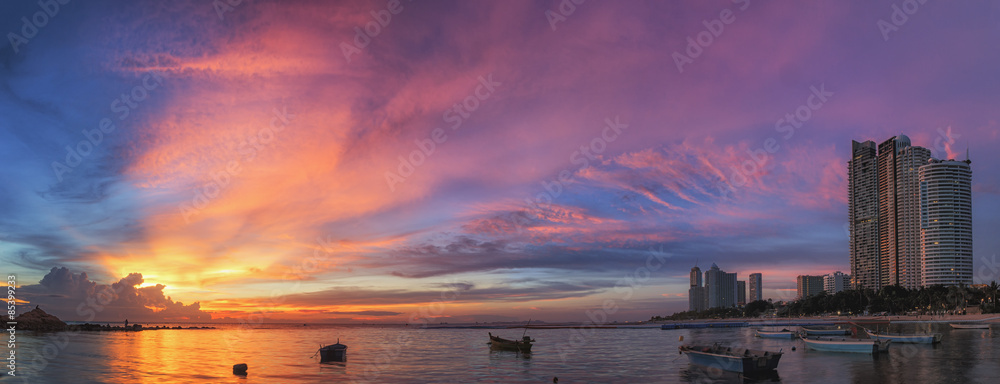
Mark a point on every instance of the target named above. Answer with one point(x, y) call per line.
point(782, 334)
point(838, 344)
point(904, 338)
point(970, 326)
point(333, 352)
point(523, 345)
point(826, 331)
point(745, 361)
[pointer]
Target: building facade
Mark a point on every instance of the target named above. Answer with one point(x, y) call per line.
point(809, 285)
point(696, 292)
point(862, 203)
point(908, 269)
point(696, 276)
point(741, 293)
point(720, 288)
point(899, 211)
point(756, 286)
point(946, 222)
point(836, 282)
point(891, 202)
point(696, 299)
point(728, 290)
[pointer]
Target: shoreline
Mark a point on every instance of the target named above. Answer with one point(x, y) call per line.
point(986, 318)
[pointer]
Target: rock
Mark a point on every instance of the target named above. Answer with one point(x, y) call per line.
point(87, 327)
point(37, 320)
point(240, 369)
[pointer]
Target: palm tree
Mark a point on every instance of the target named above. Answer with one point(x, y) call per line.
point(990, 293)
point(991, 290)
point(957, 295)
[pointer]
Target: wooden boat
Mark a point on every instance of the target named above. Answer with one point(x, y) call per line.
point(782, 334)
point(839, 344)
point(523, 345)
point(904, 338)
point(745, 361)
point(970, 326)
point(333, 352)
point(826, 331)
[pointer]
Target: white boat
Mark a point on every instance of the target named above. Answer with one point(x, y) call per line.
point(838, 344)
point(782, 334)
point(903, 338)
point(970, 326)
point(826, 331)
point(745, 361)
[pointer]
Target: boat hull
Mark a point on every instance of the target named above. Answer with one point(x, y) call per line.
point(776, 335)
point(826, 332)
point(908, 339)
point(523, 348)
point(501, 344)
point(336, 353)
point(970, 326)
point(748, 362)
point(847, 345)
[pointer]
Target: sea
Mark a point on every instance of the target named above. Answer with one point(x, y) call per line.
point(285, 353)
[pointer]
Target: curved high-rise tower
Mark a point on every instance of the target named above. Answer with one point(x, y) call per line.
point(946, 222)
point(696, 293)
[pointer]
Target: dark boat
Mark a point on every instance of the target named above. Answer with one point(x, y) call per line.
point(523, 345)
point(334, 352)
point(742, 360)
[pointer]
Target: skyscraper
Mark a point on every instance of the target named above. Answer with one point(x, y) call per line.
point(809, 285)
point(756, 287)
point(946, 222)
point(862, 203)
point(741, 292)
point(884, 213)
point(720, 288)
point(695, 276)
point(696, 293)
point(899, 211)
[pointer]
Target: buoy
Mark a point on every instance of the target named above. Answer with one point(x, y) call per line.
point(240, 369)
point(793, 348)
point(680, 338)
point(555, 379)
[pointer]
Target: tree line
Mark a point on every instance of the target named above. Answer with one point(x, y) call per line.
point(891, 300)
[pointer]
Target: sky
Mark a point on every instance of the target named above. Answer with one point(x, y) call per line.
point(374, 161)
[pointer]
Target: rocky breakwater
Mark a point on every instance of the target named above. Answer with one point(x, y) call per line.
point(37, 320)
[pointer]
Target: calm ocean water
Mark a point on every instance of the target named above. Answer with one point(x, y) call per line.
point(282, 354)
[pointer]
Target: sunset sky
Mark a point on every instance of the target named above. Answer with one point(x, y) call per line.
point(472, 161)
